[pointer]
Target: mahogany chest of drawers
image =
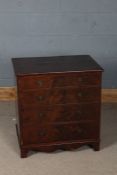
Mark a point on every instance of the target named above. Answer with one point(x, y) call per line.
point(59, 100)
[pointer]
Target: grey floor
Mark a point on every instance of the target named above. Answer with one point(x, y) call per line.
point(83, 161)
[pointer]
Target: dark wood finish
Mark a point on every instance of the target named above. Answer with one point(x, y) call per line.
point(60, 113)
point(59, 80)
point(60, 96)
point(59, 101)
point(35, 134)
point(44, 65)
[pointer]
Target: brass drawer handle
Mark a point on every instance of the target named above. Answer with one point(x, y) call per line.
point(80, 94)
point(40, 83)
point(40, 98)
point(79, 113)
point(41, 114)
point(80, 79)
point(42, 133)
point(80, 131)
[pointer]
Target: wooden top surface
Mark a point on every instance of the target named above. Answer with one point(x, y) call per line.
point(55, 64)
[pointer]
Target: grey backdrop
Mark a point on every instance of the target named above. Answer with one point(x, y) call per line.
point(58, 27)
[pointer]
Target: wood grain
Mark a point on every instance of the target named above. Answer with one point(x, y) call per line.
point(7, 93)
point(109, 95)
